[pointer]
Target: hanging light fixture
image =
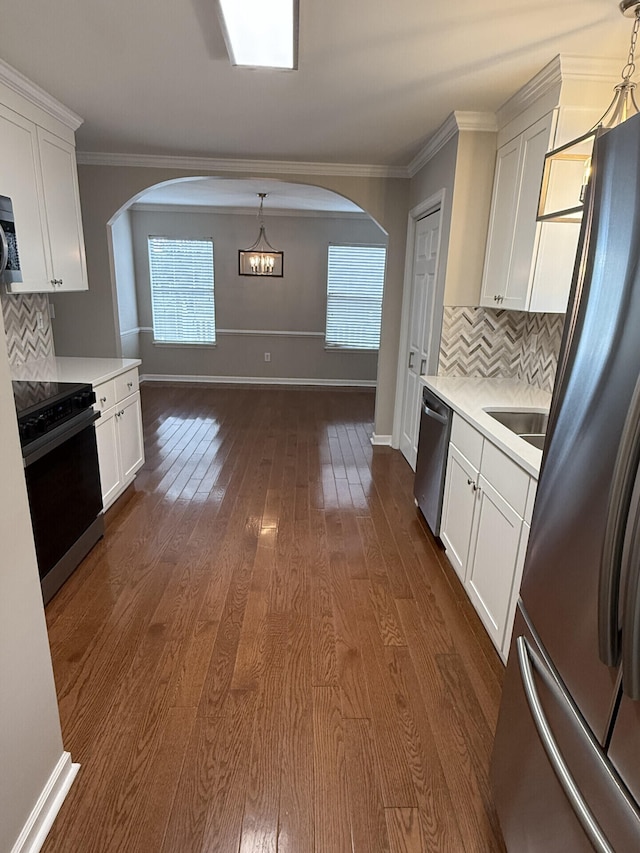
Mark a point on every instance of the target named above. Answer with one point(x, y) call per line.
point(567, 169)
point(261, 258)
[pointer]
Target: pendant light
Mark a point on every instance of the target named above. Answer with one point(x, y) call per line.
point(570, 164)
point(261, 258)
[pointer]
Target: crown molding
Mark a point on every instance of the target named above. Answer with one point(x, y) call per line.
point(23, 86)
point(215, 164)
point(561, 68)
point(149, 207)
point(456, 122)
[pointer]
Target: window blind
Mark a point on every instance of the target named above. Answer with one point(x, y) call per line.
point(182, 290)
point(355, 282)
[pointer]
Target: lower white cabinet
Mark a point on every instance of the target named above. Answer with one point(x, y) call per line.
point(487, 498)
point(119, 434)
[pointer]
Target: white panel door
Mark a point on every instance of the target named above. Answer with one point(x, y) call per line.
point(421, 327)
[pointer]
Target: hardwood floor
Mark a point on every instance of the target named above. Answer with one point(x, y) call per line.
point(268, 651)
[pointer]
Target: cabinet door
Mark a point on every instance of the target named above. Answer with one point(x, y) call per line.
point(515, 591)
point(62, 205)
point(129, 415)
point(20, 180)
point(501, 224)
point(535, 142)
point(108, 459)
point(492, 559)
point(457, 510)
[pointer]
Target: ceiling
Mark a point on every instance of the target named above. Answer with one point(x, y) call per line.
point(242, 194)
point(376, 79)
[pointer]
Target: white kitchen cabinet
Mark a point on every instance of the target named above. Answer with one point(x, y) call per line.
point(486, 498)
point(119, 434)
point(495, 539)
point(62, 210)
point(20, 179)
point(528, 264)
point(38, 172)
point(107, 440)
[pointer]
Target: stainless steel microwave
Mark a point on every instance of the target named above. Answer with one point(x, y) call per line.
point(10, 271)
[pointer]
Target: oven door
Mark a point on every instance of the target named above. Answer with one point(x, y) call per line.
point(63, 484)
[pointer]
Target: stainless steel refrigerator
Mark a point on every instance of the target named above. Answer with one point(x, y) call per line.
point(566, 764)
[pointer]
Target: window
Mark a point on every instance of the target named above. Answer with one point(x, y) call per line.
point(355, 281)
point(182, 290)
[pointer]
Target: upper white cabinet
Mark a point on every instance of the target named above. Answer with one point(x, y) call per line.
point(528, 264)
point(38, 172)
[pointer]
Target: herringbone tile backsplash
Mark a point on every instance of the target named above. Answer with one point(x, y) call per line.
point(508, 344)
point(25, 341)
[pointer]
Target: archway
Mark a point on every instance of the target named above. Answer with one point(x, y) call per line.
point(266, 331)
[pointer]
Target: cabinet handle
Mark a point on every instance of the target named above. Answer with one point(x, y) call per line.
point(103, 399)
point(469, 481)
point(411, 355)
point(121, 413)
point(423, 365)
point(129, 384)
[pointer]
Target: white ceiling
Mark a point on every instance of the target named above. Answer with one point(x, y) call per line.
point(375, 80)
point(242, 193)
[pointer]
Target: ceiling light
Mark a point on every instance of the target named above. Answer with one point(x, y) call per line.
point(261, 258)
point(261, 33)
point(567, 169)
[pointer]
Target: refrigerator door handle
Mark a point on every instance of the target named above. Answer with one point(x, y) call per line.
point(631, 598)
point(560, 768)
point(613, 559)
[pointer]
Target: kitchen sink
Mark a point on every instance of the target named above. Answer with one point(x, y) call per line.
point(530, 426)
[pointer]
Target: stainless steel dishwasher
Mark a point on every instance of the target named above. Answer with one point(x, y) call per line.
point(431, 464)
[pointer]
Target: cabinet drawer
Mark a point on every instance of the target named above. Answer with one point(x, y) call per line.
point(467, 439)
point(105, 395)
point(507, 478)
point(126, 383)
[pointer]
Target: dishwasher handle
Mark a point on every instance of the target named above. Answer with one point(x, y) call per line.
point(430, 413)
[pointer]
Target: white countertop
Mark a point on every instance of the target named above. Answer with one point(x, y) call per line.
point(470, 396)
point(66, 369)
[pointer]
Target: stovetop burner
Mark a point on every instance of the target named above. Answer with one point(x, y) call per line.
point(42, 406)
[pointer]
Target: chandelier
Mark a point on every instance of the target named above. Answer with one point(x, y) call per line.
point(261, 258)
point(570, 164)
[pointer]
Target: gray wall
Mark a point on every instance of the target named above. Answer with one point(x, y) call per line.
point(88, 323)
point(294, 304)
point(30, 737)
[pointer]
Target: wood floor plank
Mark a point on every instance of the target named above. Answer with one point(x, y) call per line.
point(368, 823)
point(268, 651)
point(403, 827)
point(332, 822)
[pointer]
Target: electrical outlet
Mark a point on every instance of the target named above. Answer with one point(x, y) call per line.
point(52, 311)
point(267, 356)
point(39, 320)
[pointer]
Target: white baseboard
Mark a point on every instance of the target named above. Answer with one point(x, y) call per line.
point(258, 380)
point(41, 819)
point(381, 440)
